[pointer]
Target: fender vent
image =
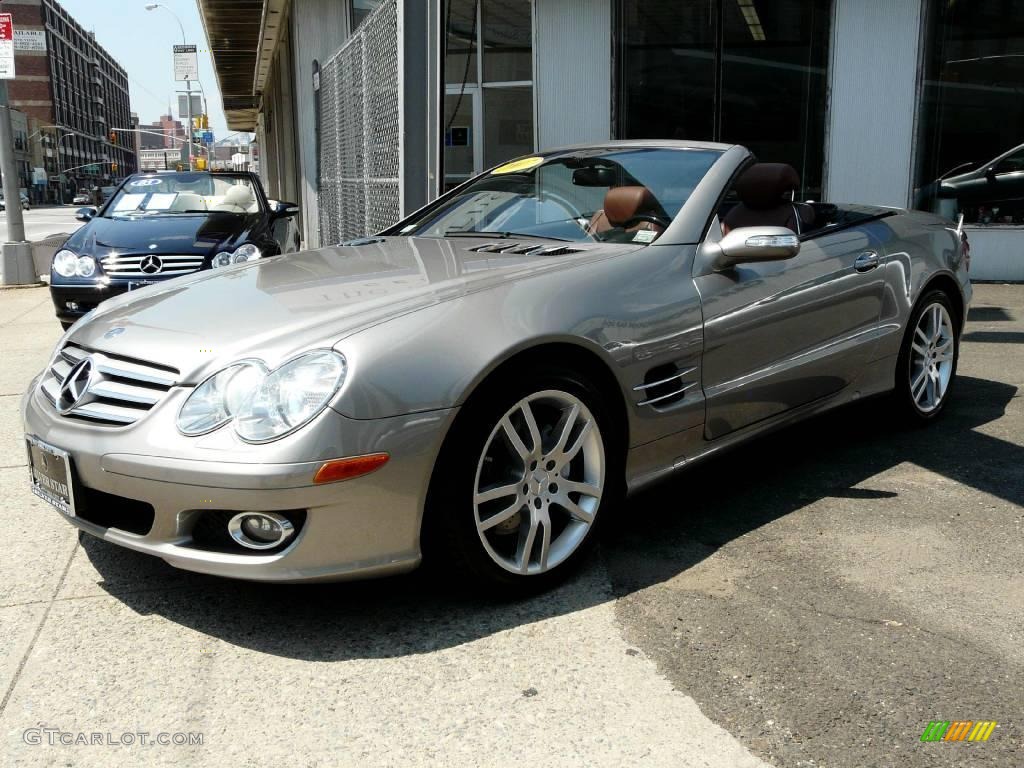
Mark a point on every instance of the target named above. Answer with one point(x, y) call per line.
point(665, 385)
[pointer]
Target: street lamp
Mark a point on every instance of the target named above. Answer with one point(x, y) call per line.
point(188, 83)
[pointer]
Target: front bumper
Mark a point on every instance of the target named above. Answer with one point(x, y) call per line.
point(85, 296)
point(359, 528)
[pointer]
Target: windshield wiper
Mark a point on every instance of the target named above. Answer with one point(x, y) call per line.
point(503, 235)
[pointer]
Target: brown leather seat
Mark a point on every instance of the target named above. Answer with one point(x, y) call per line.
point(621, 204)
point(765, 191)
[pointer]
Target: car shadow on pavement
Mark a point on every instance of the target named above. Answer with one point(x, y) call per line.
point(658, 534)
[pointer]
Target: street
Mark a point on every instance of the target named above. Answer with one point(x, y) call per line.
point(41, 222)
point(812, 599)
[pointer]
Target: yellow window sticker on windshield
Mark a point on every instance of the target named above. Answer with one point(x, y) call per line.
point(519, 165)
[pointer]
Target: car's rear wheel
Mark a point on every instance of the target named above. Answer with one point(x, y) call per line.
point(526, 477)
point(926, 369)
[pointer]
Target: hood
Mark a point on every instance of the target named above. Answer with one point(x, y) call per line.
point(201, 234)
point(276, 307)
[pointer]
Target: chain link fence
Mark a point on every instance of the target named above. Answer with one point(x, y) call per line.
point(360, 131)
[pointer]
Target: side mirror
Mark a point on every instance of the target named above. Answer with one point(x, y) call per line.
point(751, 244)
point(85, 214)
point(990, 172)
point(285, 209)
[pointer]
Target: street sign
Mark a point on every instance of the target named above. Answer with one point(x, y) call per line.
point(197, 105)
point(6, 47)
point(186, 63)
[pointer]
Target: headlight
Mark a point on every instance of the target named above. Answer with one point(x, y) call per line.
point(219, 398)
point(246, 252)
point(65, 262)
point(243, 253)
point(86, 266)
point(291, 396)
point(69, 264)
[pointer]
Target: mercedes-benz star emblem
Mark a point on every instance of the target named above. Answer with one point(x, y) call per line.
point(113, 332)
point(152, 264)
point(75, 386)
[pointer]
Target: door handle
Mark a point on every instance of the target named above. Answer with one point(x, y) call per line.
point(866, 261)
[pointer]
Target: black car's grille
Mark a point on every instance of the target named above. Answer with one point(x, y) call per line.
point(120, 390)
point(150, 265)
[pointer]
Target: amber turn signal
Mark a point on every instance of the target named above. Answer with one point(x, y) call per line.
point(346, 469)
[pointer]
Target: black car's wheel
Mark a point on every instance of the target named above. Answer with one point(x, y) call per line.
point(926, 368)
point(525, 480)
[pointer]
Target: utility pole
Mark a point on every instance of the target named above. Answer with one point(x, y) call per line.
point(18, 268)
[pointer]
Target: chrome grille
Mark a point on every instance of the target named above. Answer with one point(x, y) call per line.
point(130, 265)
point(121, 390)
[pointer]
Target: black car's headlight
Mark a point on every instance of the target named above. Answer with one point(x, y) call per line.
point(264, 406)
point(244, 252)
point(69, 264)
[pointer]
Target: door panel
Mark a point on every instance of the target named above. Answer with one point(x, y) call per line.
point(781, 334)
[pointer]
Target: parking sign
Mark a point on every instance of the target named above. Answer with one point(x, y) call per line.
point(6, 46)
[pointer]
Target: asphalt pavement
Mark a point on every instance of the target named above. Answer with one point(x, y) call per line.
point(43, 221)
point(813, 599)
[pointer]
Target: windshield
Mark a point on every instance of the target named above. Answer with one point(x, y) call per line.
point(627, 195)
point(181, 193)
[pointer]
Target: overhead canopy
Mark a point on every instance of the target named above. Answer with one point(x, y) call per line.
point(242, 35)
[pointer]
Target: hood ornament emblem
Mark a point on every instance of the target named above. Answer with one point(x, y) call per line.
point(75, 387)
point(152, 264)
point(113, 332)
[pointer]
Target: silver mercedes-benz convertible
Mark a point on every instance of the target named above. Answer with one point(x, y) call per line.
point(486, 379)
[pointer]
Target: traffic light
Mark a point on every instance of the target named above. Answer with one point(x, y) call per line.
point(113, 167)
point(113, 137)
point(205, 122)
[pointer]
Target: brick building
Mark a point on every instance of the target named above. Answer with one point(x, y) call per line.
point(74, 94)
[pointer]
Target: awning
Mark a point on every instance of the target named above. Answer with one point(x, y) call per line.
point(242, 36)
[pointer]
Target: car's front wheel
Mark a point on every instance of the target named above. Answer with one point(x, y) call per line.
point(526, 477)
point(927, 363)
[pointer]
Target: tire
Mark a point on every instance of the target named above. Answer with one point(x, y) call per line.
point(478, 538)
point(926, 366)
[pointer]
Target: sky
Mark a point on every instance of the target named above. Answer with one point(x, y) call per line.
point(141, 42)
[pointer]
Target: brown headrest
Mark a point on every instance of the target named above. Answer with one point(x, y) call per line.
point(623, 203)
point(767, 185)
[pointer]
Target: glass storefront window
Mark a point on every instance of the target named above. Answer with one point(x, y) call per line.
point(460, 53)
point(488, 103)
point(507, 41)
point(749, 72)
point(970, 150)
point(508, 123)
point(361, 9)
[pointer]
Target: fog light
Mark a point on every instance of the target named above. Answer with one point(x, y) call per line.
point(72, 305)
point(260, 530)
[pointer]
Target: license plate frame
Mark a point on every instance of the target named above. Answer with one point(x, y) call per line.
point(57, 486)
point(134, 285)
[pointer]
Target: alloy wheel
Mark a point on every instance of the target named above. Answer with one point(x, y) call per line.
point(539, 482)
point(933, 349)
